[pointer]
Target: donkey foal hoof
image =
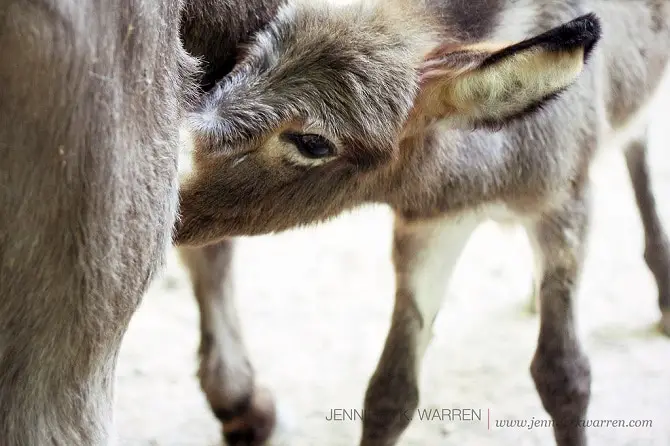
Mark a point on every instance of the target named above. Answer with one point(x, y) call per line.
point(255, 425)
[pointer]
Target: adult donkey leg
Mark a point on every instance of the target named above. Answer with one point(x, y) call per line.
point(89, 107)
point(226, 375)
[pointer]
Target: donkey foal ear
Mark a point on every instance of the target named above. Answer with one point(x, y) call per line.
point(490, 84)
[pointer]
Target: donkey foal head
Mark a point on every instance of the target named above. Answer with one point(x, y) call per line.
point(313, 118)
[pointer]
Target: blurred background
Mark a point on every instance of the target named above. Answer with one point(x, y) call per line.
point(315, 306)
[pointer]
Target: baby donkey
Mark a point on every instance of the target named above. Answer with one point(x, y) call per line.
point(426, 106)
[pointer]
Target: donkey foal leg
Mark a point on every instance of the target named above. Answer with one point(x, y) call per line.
point(538, 272)
point(424, 255)
point(226, 375)
point(559, 368)
point(657, 248)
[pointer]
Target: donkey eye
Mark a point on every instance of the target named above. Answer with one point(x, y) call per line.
point(310, 145)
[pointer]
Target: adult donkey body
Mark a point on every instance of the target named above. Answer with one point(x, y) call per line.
point(376, 102)
point(91, 99)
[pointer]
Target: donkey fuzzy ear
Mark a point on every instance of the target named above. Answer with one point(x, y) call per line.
point(490, 84)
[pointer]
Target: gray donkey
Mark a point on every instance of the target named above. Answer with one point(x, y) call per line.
point(430, 107)
point(92, 96)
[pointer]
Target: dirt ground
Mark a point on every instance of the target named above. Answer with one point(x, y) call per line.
point(315, 306)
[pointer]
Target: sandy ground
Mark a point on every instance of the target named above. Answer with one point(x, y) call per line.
point(315, 306)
